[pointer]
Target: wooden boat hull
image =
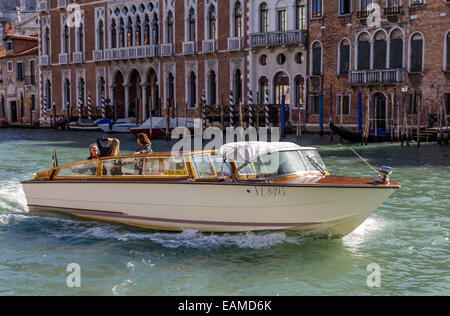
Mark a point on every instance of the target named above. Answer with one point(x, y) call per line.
point(211, 207)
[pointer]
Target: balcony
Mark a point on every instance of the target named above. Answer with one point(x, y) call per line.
point(44, 60)
point(63, 58)
point(377, 77)
point(209, 46)
point(395, 10)
point(235, 43)
point(62, 4)
point(189, 48)
point(278, 38)
point(98, 55)
point(364, 14)
point(43, 6)
point(78, 57)
point(167, 49)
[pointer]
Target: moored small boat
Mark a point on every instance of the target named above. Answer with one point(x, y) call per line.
point(85, 126)
point(159, 126)
point(249, 186)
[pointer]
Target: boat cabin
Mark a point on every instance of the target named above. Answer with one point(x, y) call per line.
point(256, 161)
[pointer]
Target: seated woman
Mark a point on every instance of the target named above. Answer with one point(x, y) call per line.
point(93, 151)
point(145, 145)
point(110, 149)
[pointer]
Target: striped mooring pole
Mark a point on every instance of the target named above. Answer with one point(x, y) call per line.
point(204, 120)
point(231, 109)
point(103, 106)
point(267, 109)
point(250, 108)
point(89, 107)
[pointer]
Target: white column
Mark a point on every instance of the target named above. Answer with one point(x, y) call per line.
point(144, 100)
point(127, 100)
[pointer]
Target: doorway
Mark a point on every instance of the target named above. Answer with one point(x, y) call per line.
point(378, 112)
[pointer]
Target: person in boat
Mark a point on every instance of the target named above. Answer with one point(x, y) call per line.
point(145, 145)
point(108, 147)
point(94, 153)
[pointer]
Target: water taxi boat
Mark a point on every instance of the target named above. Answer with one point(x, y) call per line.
point(250, 186)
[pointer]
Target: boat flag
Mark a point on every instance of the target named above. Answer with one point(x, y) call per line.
point(54, 159)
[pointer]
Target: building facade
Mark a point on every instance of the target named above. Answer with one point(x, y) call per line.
point(19, 93)
point(143, 56)
point(398, 61)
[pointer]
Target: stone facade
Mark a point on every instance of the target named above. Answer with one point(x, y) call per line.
point(408, 48)
point(19, 93)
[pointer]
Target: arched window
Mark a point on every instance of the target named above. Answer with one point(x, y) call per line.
point(281, 85)
point(129, 32)
point(263, 18)
point(379, 51)
point(101, 35)
point(316, 59)
point(113, 34)
point(299, 91)
point(48, 95)
point(237, 86)
point(121, 33)
point(66, 40)
point(47, 41)
point(66, 94)
point(212, 87)
point(155, 30)
point(147, 40)
point(264, 90)
point(81, 38)
point(364, 4)
point(212, 18)
point(191, 27)
point(170, 88)
point(192, 90)
point(364, 51)
point(170, 37)
point(138, 31)
point(396, 50)
point(416, 47)
point(344, 57)
point(237, 16)
point(447, 56)
point(300, 16)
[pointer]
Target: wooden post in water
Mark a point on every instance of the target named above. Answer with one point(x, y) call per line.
point(222, 124)
point(167, 120)
point(419, 114)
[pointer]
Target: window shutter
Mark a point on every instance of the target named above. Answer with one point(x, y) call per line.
point(380, 55)
point(396, 54)
point(317, 61)
point(363, 55)
point(416, 55)
point(345, 60)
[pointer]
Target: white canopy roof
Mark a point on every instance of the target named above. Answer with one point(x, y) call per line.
point(250, 151)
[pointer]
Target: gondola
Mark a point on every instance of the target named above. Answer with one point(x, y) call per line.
point(356, 137)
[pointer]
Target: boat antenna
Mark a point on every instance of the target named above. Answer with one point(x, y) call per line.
point(364, 160)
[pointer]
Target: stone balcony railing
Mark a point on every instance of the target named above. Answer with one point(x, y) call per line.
point(127, 53)
point(209, 46)
point(62, 4)
point(78, 57)
point(284, 38)
point(44, 60)
point(63, 58)
point(235, 43)
point(393, 10)
point(377, 77)
point(189, 48)
point(98, 55)
point(167, 49)
point(43, 6)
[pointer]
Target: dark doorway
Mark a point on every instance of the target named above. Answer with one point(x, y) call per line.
point(13, 107)
point(119, 96)
point(378, 112)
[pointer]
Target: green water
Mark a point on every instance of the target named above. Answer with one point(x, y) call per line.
point(408, 236)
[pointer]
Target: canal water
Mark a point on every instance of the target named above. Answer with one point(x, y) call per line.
point(407, 237)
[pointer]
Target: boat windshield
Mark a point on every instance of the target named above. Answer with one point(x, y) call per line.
point(314, 161)
point(280, 164)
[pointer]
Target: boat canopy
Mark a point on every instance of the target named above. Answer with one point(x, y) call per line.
point(250, 151)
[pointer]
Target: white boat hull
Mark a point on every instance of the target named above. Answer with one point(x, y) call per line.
point(330, 211)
